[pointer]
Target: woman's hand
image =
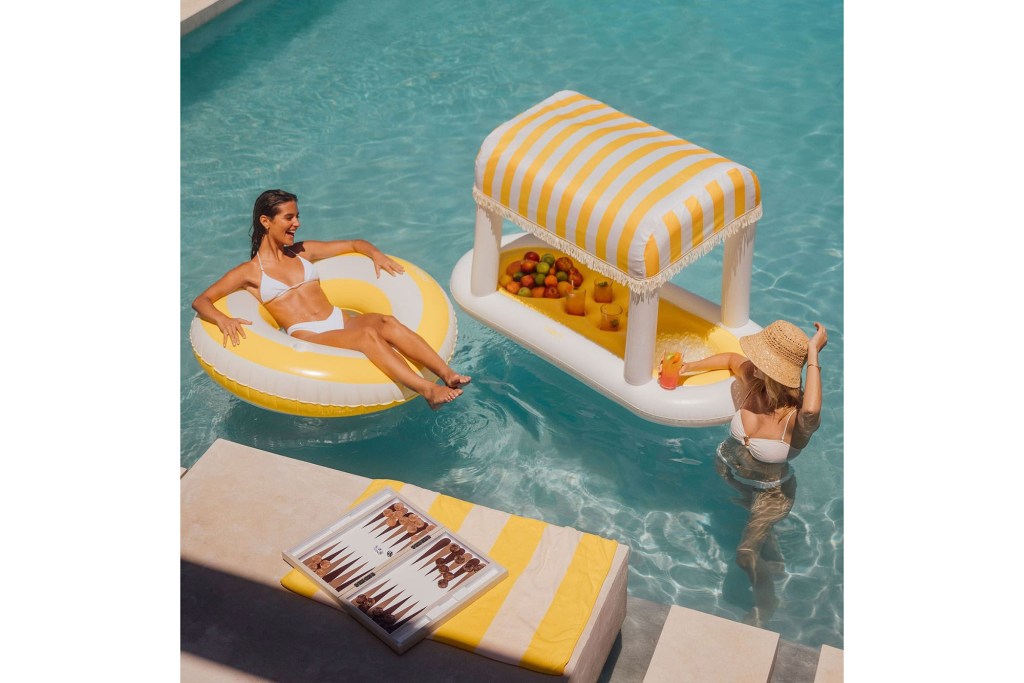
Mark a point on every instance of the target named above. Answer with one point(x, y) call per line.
point(382, 261)
point(232, 327)
point(820, 337)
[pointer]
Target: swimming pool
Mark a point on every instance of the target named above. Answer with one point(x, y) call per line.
point(373, 113)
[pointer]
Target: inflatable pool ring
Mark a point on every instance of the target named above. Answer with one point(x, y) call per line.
point(275, 371)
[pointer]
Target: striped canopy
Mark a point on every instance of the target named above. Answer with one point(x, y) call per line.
point(631, 201)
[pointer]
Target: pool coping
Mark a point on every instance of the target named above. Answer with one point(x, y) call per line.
point(195, 13)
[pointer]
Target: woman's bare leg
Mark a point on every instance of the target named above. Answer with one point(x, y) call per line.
point(411, 345)
point(767, 508)
point(368, 340)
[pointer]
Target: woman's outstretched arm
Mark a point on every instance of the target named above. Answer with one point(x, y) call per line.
point(733, 362)
point(810, 411)
point(235, 279)
point(314, 251)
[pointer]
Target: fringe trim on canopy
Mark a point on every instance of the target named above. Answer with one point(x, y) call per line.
point(641, 286)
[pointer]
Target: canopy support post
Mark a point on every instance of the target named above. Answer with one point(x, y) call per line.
point(641, 333)
point(483, 279)
point(737, 266)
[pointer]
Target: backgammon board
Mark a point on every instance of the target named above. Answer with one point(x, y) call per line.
point(395, 569)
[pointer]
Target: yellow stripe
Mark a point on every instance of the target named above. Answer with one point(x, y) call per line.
point(757, 189)
point(652, 261)
point(636, 183)
point(451, 512)
point(549, 149)
point(292, 406)
point(675, 235)
point(607, 179)
point(556, 173)
point(513, 164)
point(637, 215)
point(739, 192)
point(718, 202)
point(513, 549)
point(510, 134)
point(556, 636)
point(696, 221)
point(375, 486)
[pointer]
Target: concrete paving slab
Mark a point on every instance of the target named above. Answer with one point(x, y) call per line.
point(830, 665)
point(697, 647)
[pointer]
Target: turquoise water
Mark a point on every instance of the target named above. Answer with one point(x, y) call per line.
point(373, 113)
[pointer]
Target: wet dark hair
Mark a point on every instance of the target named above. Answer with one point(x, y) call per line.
point(266, 205)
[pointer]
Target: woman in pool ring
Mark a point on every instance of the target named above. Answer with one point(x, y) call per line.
point(281, 274)
point(774, 422)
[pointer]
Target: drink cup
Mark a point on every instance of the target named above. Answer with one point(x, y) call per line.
point(575, 302)
point(611, 318)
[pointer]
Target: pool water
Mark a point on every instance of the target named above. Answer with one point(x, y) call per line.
point(372, 113)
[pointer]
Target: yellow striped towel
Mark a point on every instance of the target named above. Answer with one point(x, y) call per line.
point(535, 616)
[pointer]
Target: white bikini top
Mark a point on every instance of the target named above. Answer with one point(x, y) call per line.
point(271, 288)
point(765, 450)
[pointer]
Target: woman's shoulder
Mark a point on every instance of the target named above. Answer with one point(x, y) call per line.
point(246, 271)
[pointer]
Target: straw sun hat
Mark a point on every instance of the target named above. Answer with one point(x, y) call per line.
point(779, 351)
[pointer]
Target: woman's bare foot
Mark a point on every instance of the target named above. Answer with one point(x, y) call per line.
point(440, 394)
point(456, 381)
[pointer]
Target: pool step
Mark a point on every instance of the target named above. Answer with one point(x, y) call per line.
point(830, 665)
point(699, 647)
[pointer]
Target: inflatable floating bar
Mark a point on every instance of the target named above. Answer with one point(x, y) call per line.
point(275, 371)
point(628, 203)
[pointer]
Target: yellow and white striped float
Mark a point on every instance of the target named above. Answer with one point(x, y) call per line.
point(631, 203)
point(275, 371)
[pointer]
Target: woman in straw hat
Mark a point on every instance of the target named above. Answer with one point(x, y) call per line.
point(774, 422)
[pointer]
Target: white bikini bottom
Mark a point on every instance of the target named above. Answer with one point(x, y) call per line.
point(335, 321)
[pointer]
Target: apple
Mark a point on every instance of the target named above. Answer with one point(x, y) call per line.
point(525, 291)
point(518, 275)
point(527, 266)
point(563, 265)
point(527, 281)
point(551, 292)
point(504, 280)
point(575, 277)
point(549, 281)
point(513, 287)
point(532, 256)
point(548, 259)
point(564, 288)
point(543, 268)
point(512, 267)
point(562, 276)
point(538, 292)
